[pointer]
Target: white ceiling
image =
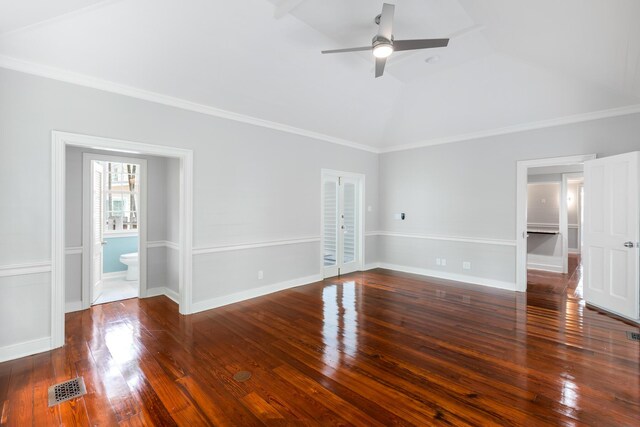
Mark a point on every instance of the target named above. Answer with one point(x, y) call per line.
point(510, 62)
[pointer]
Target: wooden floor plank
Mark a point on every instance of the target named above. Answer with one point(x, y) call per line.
point(373, 348)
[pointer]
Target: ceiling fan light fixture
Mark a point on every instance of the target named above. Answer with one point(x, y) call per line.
point(382, 50)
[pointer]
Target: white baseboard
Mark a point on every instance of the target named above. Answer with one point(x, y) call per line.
point(252, 293)
point(544, 267)
point(552, 264)
point(115, 275)
point(163, 290)
point(456, 277)
point(71, 306)
point(27, 348)
point(371, 266)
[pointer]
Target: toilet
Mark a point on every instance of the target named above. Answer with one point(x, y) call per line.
point(131, 261)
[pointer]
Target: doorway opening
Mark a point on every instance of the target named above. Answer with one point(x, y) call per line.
point(182, 159)
point(549, 219)
point(114, 214)
point(553, 229)
point(342, 222)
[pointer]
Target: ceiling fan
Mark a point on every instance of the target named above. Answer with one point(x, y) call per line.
point(383, 44)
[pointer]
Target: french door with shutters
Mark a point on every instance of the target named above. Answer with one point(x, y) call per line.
point(97, 227)
point(611, 234)
point(341, 223)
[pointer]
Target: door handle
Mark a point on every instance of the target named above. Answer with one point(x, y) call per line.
point(103, 242)
point(629, 245)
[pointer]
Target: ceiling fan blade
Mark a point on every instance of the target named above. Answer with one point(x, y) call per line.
point(380, 62)
point(400, 45)
point(385, 28)
point(350, 49)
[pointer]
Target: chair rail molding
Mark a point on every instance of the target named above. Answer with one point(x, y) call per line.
point(254, 245)
point(22, 269)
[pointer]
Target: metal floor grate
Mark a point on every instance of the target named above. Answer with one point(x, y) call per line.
point(242, 376)
point(67, 390)
point(635, 336)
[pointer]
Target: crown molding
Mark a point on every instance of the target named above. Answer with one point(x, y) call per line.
point(577, 118)
point(133, 92)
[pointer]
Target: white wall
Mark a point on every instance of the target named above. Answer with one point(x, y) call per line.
point(251, 184)
point(468, 190)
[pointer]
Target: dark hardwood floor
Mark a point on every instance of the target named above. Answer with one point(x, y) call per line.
point(374, 348)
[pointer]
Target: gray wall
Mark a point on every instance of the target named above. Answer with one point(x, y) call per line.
point(543, 207)
point(468, 189)
point(251, 184)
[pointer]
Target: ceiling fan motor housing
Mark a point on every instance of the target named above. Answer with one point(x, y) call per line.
point(378, 40)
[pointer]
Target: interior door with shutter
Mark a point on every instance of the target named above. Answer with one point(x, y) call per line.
point(97, 227)
point(611, 234)
point(341, 224)
point(348, 230)
point(330, 193)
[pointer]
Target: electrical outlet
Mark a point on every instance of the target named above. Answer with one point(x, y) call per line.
point(466, 265)
point(438, 261)
point(260, 274)
point(444, 262)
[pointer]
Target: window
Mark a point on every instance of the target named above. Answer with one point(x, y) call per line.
point(122, 197)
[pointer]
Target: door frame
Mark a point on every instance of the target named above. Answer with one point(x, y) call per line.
point(566, 178)
point(361, 214)
point(87, 223)
point(521, 207)
point(60, 140)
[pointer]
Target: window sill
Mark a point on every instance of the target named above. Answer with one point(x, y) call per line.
point(116, 234)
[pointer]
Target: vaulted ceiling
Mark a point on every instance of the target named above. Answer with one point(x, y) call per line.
point(509, 63)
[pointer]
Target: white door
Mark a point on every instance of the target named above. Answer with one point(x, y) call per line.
point(611, 223)
point(341, 231)
point(97, 227)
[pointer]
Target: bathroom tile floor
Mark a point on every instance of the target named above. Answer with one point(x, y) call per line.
point(116, 289)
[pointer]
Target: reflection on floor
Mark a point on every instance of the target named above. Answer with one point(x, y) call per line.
point(546, 289)
point(116, 289)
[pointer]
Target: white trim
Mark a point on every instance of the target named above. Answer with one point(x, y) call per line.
point(370, 266)
point(549, 224)
point(26, 348)
point(163, 290)
point(576, 118)
point(60, 140)
point(87, 222)
point(73, 250)
point(71, 306)
point(25, 268)
point(214, 249)
point(522, 180)
point(564, 224)
point(253, 293)
point(463, 278)
point(483, 241)
point(550, 263)
point(114, 275)
point(119, 234)
point(133, 92)
point(163, 244)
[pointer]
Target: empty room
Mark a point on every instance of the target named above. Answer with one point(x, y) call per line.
point(320, 212)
